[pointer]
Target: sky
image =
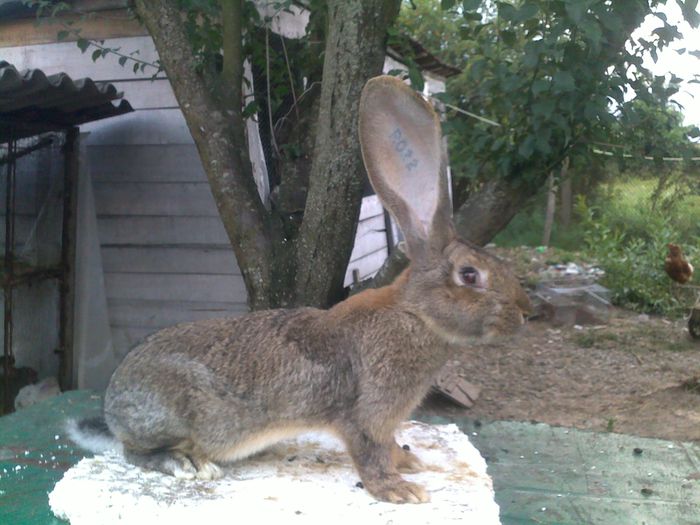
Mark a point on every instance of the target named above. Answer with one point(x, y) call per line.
point(669, 61)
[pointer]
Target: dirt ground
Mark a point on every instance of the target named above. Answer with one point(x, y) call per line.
point(635, 375)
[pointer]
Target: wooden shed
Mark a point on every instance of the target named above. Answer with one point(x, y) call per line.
point(40, 158)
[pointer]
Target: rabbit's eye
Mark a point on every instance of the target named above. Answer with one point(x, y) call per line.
point(469, 275)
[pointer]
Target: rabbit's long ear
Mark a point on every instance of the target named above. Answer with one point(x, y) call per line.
point(401, 147)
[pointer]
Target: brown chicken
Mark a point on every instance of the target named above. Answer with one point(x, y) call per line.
point(676, 266)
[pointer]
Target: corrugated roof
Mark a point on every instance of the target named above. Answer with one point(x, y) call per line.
point(32, 102)
point(424, 58)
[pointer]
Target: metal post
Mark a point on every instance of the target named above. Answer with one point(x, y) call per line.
point(10, 188)
point(71, 152)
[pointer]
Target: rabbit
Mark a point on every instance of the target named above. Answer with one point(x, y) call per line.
point(196, 395)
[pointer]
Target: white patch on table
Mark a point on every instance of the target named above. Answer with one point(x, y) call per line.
point(307, 480)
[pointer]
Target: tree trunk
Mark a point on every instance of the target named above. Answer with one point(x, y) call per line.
point(355, 50)
point(215, 121)
point(565, 196)
point(549, 213)
point(483, 214)
point(488, 210)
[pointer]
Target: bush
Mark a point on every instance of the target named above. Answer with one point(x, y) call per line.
point(629, 240)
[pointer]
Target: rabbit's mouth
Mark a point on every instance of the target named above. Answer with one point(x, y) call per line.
point(448, 335)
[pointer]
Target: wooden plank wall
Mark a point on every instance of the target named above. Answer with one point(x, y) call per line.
point(370, 249)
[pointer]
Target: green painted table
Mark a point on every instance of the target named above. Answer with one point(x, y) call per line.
point(34, 454)
point(541, 474)
point(555, 475)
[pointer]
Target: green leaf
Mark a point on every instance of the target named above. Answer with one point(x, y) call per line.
point(542, 140)
point(472, 15)
point(446, 5)
point(690, 13)
point(251, 109)
point(506, 11)
point(563, 81)
point(512, 83)
point(471, 5)
point(543, 108)
point(576, 10)
point(527, 12)
point(527, 147)
point(498, 143)
point(667, 33)
point(532, 53)
point(97, 53)
point(593, 33)
point(83, 44)
point(540, 86)
point(416, 78)
point(508, 37)
point(122, 61)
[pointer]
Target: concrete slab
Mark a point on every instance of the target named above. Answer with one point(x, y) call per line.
point(307, 480)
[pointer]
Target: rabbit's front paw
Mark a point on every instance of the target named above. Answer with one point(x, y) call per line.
point(208, 471)
point(397, 490)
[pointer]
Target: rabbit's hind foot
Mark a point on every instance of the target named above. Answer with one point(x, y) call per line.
point(395, 489)
point(174, 463)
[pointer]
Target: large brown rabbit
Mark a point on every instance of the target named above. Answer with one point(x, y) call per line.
point(198, 394)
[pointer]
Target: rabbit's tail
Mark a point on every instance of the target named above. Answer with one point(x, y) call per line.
point(93, 434)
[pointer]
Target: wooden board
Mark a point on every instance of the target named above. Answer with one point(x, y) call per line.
point(217, 260)
point(145, 163)
point(162, 231)
point(152, 126)
point(191, 199)
point(174, 287)
point(367, 265)
point(108, 24)
point(155, 314)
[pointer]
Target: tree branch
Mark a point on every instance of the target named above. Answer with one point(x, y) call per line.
point(355, 49)
point(214, 117)
point(232, 72)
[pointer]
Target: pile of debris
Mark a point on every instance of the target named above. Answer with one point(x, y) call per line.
point(568, 294)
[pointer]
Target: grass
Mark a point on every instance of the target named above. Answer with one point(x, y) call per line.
point(637, 336)
point(625, 205)
point(626, 235)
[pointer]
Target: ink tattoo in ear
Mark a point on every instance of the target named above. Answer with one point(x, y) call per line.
point(401, 147)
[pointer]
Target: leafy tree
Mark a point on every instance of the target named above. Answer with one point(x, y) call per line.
point(546, 72)
point(552, 74)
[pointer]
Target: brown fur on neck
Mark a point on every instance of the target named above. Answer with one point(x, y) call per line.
point(372, 299)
